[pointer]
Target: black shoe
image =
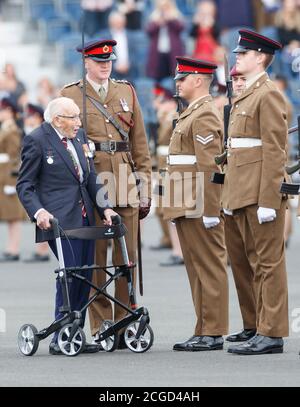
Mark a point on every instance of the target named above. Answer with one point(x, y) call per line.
point(258, 345)
point(37, 258)
point(200, 343)
point(172, 261)
point(161, 247)
point(54, 349)
point(88, 348)
point(6, 257)
point(241, 336)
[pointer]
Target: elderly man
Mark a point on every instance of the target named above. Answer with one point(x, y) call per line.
point(57, 179)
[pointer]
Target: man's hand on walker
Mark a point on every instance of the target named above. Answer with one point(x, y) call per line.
point(108, 213)
point(43, 219)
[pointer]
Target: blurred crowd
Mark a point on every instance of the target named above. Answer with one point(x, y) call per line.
point(150, 34)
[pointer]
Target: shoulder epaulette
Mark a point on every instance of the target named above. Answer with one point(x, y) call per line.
point(121, 81)
point(71, 84)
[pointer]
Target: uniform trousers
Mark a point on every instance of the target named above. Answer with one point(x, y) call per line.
point(204, 256)
point(101, 309)
point(243, 265)
point(271, 278)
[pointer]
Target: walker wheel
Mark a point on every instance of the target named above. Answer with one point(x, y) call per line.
point(111, 342)
point(28, 342)
point(143, 343)
point(77, 344)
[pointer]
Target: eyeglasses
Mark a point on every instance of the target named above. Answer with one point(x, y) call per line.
point(75, 117)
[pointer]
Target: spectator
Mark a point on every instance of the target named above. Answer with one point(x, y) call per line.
point(117, 27)
point(46, 91)
point(287, 21)
point(132, 9)
point(95, 15)
point(205, 31)
point(164, 29)
point(12, 84)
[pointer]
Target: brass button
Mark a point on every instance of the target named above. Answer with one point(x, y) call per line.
point(244, 113)
point(112, 152)
point(105, 106)
point(236, 106)
point(110, 136)
point(228, 154)
point(107, 121)
point(231, 122)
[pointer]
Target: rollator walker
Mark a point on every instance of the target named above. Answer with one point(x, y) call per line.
point(138, 334)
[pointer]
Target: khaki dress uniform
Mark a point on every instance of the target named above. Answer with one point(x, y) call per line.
point(164, 134)
point(198, 135)
point(10, 144)
point(255, 171)
point(122, 104)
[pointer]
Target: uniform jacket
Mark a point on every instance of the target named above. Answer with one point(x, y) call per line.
point(198, 132)
point(48, 180)
point(124, 191)
point(254, 175)
point(10, 144)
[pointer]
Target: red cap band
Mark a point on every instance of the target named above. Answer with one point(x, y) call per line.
point(107, 49)
point(187, 68)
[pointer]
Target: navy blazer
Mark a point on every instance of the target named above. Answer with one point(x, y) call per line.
point(48, 179)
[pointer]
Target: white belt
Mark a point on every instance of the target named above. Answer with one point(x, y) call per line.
point(245, 142)
point(162, 150)
point(181, 159)
point(4, 158)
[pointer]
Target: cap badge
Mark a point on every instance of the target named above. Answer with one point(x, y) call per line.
point(106, 48)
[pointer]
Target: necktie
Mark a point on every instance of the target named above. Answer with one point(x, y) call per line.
point(102, 94)
point(65, 143)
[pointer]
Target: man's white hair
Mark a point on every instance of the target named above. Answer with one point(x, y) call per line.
point(56, 107)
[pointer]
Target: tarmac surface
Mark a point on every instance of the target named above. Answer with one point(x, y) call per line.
point(27, 296)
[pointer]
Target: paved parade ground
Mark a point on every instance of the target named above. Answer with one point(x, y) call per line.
point(27, 296)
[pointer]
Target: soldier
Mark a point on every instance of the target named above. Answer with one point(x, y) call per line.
point(165, 105)
point(117, 129)
point(196, 138)
point(242, 263)
point(11, 210)
point(255, 170)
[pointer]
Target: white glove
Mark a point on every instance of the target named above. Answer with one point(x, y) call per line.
point(227, 212)
point(9, 190)
point(265, 215)
point(210, 221)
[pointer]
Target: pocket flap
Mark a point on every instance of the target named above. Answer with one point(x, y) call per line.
point(248, 156)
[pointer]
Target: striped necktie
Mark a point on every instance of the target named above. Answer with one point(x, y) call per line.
point(65, 143)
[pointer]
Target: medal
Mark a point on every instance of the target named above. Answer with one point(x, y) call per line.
point(124, 105)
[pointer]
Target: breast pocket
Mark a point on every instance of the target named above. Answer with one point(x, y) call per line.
point(124, 115)
point(244, 121)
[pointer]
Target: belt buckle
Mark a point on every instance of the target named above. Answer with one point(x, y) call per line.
point(112, 146)
point(229, 142)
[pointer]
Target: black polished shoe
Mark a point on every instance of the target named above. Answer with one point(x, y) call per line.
point(54, 349)
point(200, 343)
point(161, 247)
point(37, 258)
point(258, 345)
point(6, 257)
point(92, 348)
point(241, 336)
point(172, 261)
point(88, 348)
